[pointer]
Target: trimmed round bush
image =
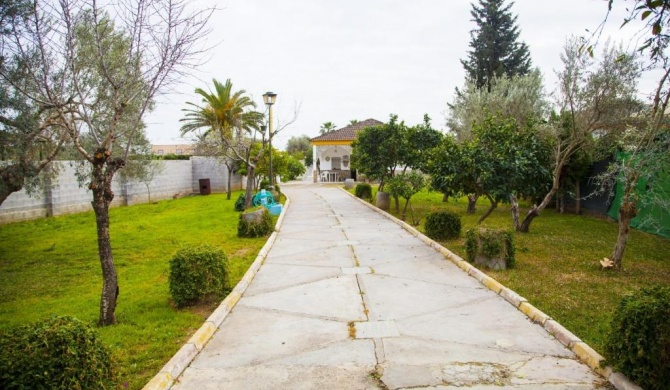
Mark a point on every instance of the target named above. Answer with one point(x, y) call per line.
point(57, 353)
point(264, 184)
point(443, 225)
point(239, 203)
point(638, 343)
point(198, 274)
point(257, 223)
point(363, 191)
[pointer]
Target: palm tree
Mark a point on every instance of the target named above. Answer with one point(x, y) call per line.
point(232, 116)
point(327, 128)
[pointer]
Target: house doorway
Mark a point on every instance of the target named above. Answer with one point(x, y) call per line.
point(337, 163)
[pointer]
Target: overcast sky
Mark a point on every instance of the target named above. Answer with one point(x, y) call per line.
point(359, 59)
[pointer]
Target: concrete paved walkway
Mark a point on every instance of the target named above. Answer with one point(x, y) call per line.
point(347, 299)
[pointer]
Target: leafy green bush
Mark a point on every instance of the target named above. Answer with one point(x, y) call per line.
point(57, 353)
point(492, 244)
point(198, 274)
point(239, 203)
point(264, 184)
point(259, 228)
point(638, 343)
point(363, 191)
point(443, 225)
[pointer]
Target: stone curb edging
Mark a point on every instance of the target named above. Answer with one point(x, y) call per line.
point(167, 376)
point(585, 353)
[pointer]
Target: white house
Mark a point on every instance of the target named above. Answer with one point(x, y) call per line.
point(332, 152)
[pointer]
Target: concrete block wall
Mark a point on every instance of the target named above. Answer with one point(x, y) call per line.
point(64, 195)
point(217, 173)
point(174, 181)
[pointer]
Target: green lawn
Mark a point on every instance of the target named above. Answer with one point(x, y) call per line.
point(558, 267)
point(50, 266)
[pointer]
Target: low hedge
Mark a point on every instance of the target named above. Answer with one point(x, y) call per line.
point(57, 353)
point(638, 343)
point(443, 225)
point(198, 274)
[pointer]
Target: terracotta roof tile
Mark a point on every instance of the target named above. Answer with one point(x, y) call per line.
point(347, 133)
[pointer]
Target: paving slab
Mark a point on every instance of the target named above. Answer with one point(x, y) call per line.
point(346, 299)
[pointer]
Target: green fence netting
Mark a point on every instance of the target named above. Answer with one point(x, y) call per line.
point(653, 215)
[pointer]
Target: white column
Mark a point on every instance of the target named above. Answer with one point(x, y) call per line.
point(315, 155)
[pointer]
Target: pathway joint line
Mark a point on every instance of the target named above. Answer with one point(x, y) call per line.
point(167, 376)
point(583, 351)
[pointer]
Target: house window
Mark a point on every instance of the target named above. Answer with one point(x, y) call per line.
point(159, 152)
point(178, 152)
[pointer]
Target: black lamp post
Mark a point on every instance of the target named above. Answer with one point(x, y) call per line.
point(269, 98)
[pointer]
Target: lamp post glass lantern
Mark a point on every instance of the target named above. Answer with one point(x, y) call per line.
point(269, 99)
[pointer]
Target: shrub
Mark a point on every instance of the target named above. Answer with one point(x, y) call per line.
point(57, 353)
point(239, 203)
point(363, 191)
point(264, 184)
point(638, 343)
point(198, 274)
point(257, 223)
point(492, 244)
point(443, 225)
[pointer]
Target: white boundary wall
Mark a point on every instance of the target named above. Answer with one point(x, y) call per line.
point(64, 195)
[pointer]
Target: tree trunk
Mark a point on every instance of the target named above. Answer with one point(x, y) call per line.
point(396, 200)
point(494, 205)
point(445, 198)
point(627, 212)
point(472, 203)
point(404, 210)
point(525, 225)
point(515, 211)
point(104, 169)
point(250, 186)
point(13, 178)
point(532, 213)
point(230, 174)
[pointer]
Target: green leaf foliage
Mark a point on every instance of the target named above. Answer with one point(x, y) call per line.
point(57, 353)
point(379, 151)
point(198, 274)
point(495, 47)
point(638, 343)
point(443, 225)
point(239, 203)
point(405, 185)
point(499, 160)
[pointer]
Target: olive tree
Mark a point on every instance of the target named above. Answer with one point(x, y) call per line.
point(646, 141)
point(597, 98)
point(98, 67)
point(31, 131)
point(521, 97)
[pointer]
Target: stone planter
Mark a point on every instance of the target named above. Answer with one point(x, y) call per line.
point(254, 217)
point(349, 183)
point(492, 248)
point(383, 200)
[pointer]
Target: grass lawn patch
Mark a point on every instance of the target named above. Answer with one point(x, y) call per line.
point(50, 266)
point(557, 263)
